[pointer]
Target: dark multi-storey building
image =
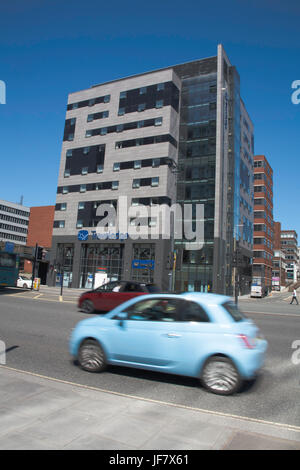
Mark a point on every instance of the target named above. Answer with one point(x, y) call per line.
point(263, 222)
point(176, 135)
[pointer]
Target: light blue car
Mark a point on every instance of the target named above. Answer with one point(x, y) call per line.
point(191, 334)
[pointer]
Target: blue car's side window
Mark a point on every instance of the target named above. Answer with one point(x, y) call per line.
point(154, 310)
point(193, 312)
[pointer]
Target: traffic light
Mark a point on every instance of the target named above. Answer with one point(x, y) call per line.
point(39, 255)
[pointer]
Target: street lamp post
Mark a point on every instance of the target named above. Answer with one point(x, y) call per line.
point(174, 170)
point(235, 267)
point(62, 264)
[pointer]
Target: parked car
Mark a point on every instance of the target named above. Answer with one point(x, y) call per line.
point(112, 294)
point(190, 334)
point(24, 282)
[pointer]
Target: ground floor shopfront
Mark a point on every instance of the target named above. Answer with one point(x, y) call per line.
point(89, 263)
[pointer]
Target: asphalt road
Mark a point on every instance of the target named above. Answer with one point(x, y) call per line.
point(36, 334)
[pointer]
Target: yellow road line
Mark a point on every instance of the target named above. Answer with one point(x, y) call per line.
point(289, 427)
point(37, 297)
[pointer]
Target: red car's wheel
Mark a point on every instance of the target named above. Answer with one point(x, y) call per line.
point(87, 306)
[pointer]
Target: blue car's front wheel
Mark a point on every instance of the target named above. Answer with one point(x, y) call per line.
point(91, 356)
point(220, 376)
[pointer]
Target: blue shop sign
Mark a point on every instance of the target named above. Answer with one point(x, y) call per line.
point(143, 263)
point(83, 235)
point(9, 247)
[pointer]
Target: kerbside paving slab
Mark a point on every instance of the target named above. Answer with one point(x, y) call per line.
point(41, 413)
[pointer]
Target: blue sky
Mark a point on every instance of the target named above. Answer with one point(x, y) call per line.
point(49, 48)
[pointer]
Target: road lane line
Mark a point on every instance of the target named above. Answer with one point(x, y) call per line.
point(37, 296)
point(289, 427)
point(276, 314)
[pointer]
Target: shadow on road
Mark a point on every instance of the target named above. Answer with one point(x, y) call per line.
point(12, 290)
point(160, 377)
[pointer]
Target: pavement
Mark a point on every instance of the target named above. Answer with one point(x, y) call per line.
point(42, 413)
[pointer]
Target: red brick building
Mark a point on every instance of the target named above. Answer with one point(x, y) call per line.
point(263, 235)
point(40, 232)
point(40, 226)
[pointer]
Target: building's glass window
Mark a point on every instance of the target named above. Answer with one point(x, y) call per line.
point(88, 133)
point(155, 162)
point(69, 153)
point(121, 112)
point(155, 181)
point(160, 86)
point(79, 224)
point(116, 166)
point(143, 90)
point(70, 137)
point(61, 224)
point(86, 150)
point(142, 251)
point(100, 168)
point(159, 103)
point(63, 206)
point(137, 164)
point(84, 170)
point(123, 94)
point(103, 131)
point(83, 188)
point(140, 124)
point(106, 99)
point(81, 205)
point(90, 118)
point(141, 107)
point(136, 183)
point(75, 106)
point(108, 256)
point(120, 128)
point(67, 173)
point(65, 190)
point(158, 121)
point(115, 185)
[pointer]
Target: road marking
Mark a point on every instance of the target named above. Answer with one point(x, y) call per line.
point(37, 297)
point(289, 427)
point(276, 314)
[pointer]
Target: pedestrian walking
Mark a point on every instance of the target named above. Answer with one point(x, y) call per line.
point(294, 297)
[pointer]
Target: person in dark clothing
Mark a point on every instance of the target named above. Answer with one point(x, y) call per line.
point(294, 297)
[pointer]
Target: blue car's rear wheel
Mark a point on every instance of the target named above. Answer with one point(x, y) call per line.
point(91, 356)
point(220, 376)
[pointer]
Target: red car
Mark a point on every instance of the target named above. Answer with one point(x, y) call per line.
point(112, 294)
